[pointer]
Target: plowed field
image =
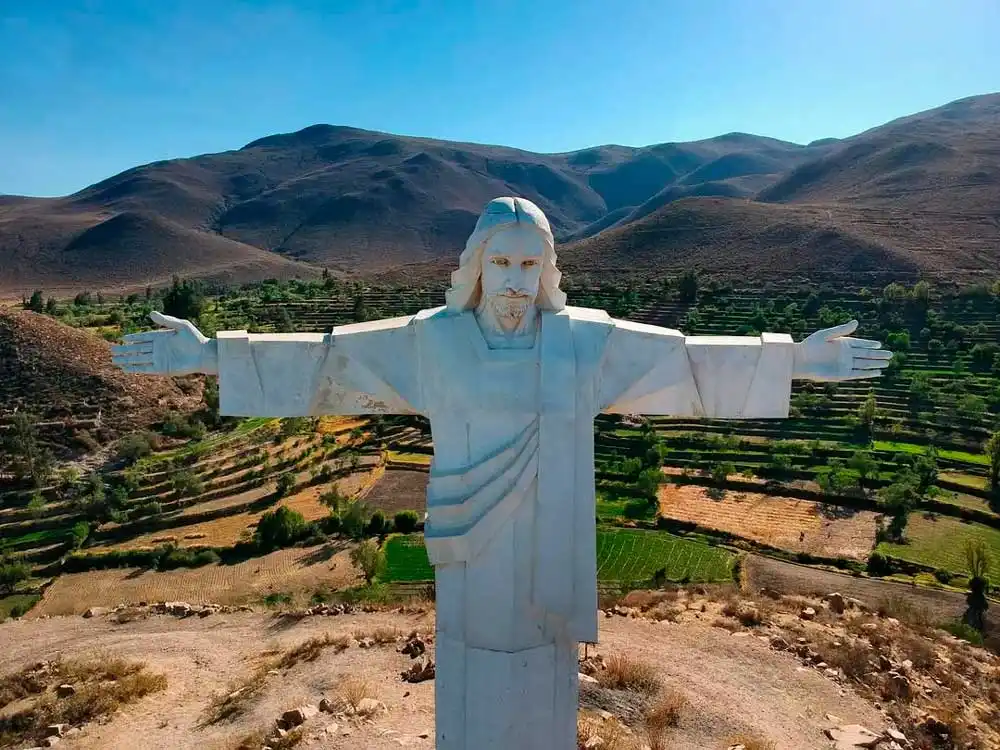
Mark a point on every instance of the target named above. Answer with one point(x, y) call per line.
point(785, 522)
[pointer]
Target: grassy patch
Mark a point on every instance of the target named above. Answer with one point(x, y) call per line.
point(972, 458)
point(410, 458)
point(622, 555)
point(16, 605)
point(37, 538)
point(940, 542)
point(633, 555)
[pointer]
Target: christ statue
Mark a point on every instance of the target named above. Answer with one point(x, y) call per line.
point(510, 378)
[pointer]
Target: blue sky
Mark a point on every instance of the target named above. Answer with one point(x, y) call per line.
point(88, 89)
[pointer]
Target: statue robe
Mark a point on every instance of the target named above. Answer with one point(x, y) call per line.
point(510, 504)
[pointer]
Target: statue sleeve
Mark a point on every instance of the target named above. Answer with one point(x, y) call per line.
point(362, 368)
point(658, 371)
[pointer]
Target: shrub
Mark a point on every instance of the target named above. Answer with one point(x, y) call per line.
point(377, 524)
point(285, 484)
point(13, 570)
point(281, 527)
point(186, 483)
point(662, 714)
point(405, 522)
point(879, 564)
point(134, 446)
point(964, 631)
point(79, 534)
point(622, 672)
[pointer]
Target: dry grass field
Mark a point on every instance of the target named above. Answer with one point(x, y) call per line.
point(297, 570)
point(398, 489)
point(786, 522)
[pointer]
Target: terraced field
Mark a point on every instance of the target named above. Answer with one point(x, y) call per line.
point(940, 541)
point(623, 556)
point(785, 522)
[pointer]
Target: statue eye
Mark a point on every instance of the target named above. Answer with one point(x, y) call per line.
point(531, 263)
point(502, 262)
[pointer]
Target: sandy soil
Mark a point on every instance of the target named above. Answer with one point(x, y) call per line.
point(734, 683)
point(399, 489)
point(786, 522)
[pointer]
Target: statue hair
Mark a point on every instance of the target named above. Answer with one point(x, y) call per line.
point(502, 214)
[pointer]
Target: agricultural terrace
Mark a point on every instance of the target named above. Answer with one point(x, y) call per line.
point(910, 444)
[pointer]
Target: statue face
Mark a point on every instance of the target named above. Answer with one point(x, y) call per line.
point(512, 270)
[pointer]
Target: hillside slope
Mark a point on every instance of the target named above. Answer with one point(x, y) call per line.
point(345, 199)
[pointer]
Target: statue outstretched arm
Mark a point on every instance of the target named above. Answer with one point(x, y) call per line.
point(652, 370)
point(361, 368)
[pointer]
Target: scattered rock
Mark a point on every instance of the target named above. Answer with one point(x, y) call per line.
point(296, 716)
point(331, 728)
point(65, 691)
point(900, 685)
point(56, 730)
point(51, 741)
point(779, 643)
point(833, 719)
point(96, 612)
point(852, 736)
point(836, 603)
point(178, 609)
point(414, 646)
point(808, 613)
point(585, 678)
point(883, 663)
point(594, 741)
point(327, 707)
point(366, 642)
point(420, 672)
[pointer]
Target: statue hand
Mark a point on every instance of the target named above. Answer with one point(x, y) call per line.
point(181, 349)
point(831, 355)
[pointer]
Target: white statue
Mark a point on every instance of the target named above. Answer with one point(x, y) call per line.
point(511, 379)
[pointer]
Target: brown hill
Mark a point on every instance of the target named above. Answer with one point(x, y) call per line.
point(346, 199)
point(920, 195)
point(64, 377)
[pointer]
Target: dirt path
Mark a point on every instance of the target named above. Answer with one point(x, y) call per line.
point(734, 683)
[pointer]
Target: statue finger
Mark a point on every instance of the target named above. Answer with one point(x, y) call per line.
point(865, 343)
point(862, 353)
point(869, 364)
point(863, 374)
point(140, 347)
point(845, 329)
point(168, 321)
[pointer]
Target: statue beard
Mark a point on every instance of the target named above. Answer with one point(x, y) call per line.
point(509, 311)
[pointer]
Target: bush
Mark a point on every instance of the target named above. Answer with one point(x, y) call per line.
point(879, 564)
point(178, 425)
point(79, 533)
point(134, 446)
point(964, 631)
point(377, 524)
point(281, 527)
point(12, 571)
point(186, 483)
point(285, 484)
point(405, 522)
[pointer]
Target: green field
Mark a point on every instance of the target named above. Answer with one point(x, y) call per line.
point(972, 458)
point(941, 542)
point(633, 555)
point(22, 601)
point(45, 536)
point(406, 559)
point(622, 555)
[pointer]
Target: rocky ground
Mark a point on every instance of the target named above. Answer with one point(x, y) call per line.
point(686, 669)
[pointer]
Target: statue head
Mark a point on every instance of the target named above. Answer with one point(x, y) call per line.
point(509, 262)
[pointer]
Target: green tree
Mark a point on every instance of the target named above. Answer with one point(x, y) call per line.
point(79, 533)
point(992, 450)
point(184, 299)
point(868, 414)
point(13, 570)
point(687, 286)
point(354, 517)
point(281, 527)
point(897, 500)
point(36, 506)
point(30, 459)
point(285, 484)
point(405, 521)
point(51, 306)
point(977, 557)
point(721, 471)
point(369, 558)
point(648, 481)
point(36, 303)
point(865, 465)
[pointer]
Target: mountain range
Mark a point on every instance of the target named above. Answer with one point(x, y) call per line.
point(918, 196)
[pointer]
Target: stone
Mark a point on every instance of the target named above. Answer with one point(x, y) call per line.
point(585, 679)
point(96, 612)
point(853, 736)
point(833, 719)
point(178, 609)
point(331, 728)
point(327, 706)
point(510, 378)
point(896, 735)
point(65, 690)
point(778, 643)
point(56, 730)
point(419, 672)
point(836, 603)
point(293, 717)
point(595, 741)
point(51, 741)
point(414, 647)
point(807, 613)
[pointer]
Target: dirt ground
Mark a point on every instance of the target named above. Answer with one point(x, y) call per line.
point(786, 522)
point(287, 571)
point(733, 683)
point(399, 489)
